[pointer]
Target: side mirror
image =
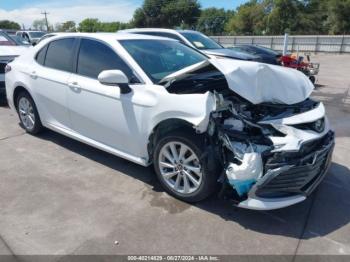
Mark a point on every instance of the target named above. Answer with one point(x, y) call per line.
point(115, 78)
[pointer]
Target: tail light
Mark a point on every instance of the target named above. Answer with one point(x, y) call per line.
point(7, 68)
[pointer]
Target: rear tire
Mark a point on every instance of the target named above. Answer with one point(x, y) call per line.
point(28, 114)
point(183, 166)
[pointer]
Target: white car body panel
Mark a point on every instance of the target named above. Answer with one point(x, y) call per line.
point(11, 51)
point(8, 53)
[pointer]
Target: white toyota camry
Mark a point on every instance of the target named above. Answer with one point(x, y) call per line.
point(202, 122)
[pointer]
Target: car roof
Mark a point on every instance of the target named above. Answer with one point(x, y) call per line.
point(165, 30)
point(110, 36)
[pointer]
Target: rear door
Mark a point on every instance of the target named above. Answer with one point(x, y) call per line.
point(49, 77)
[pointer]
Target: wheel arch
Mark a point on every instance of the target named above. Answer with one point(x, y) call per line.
point(164, 127)
point(16, 91)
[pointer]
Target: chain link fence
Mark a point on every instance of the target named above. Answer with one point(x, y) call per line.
point(302, 43)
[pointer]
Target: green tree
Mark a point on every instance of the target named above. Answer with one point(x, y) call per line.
point(68, 26)
point(248, 20)
point(338, 20)
point(89, 25)
point(39, 24)
point(7, 24)
point(284, 17)
point(112, 26)
point(212, 21)
point(312, 17)
point(166, 13)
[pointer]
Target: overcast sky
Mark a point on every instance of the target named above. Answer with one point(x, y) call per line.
point(25, 11)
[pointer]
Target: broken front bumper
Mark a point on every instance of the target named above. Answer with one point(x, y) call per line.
point(270, 176)
point(290, 184)
point(291, 176)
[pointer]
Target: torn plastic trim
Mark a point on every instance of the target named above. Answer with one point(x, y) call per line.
point(256, 203)
point(294, 138)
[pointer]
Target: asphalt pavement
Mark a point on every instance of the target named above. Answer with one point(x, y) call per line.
point(61, 197)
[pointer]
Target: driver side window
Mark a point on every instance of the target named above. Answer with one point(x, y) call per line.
point(95, 57)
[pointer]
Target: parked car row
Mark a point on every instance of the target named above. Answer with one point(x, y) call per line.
point(195, 40)
point(31, 37)
point(203, 119)
point(247, 52)
point(10, 48)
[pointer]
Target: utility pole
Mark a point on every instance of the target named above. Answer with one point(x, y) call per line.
point(47, 23)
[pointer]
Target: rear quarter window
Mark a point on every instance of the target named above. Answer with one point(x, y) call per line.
point(59, 54)
point(40, 56)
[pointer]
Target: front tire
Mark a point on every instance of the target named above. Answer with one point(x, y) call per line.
point(28, 114)
point(183, 168)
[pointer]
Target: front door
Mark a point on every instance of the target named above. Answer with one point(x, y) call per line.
point(97, 111)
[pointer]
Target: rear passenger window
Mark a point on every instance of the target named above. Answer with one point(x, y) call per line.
point(40, 56)
point(59, 54)
point(94, 57)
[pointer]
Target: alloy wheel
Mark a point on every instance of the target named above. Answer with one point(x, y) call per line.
point(180, 167)
point(26, 113)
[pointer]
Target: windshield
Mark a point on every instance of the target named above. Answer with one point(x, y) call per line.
point(36, 34)
point(19, 40)
point(201, 41)
point(160, 58)
point(6, 40)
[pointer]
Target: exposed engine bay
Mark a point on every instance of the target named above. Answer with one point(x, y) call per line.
point(273, 154)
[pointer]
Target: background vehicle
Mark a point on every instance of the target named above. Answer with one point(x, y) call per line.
point(198, 120)
point(31, 36)
point(196, 40)
point(10, 48)
point(19, 40)
point(267, 55)
point(47, 36)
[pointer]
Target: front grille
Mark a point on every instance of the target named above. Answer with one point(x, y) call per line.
point(2, 68)
point(303, 176)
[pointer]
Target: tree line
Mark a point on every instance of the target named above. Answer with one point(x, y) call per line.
point(255, 17)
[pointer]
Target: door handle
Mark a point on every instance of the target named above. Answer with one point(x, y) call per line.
point(74, 86)
point(33, 75)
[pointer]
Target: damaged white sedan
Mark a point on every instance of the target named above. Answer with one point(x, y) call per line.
point(247, 127)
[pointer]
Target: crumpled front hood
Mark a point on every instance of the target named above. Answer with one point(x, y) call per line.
point(264, 83)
